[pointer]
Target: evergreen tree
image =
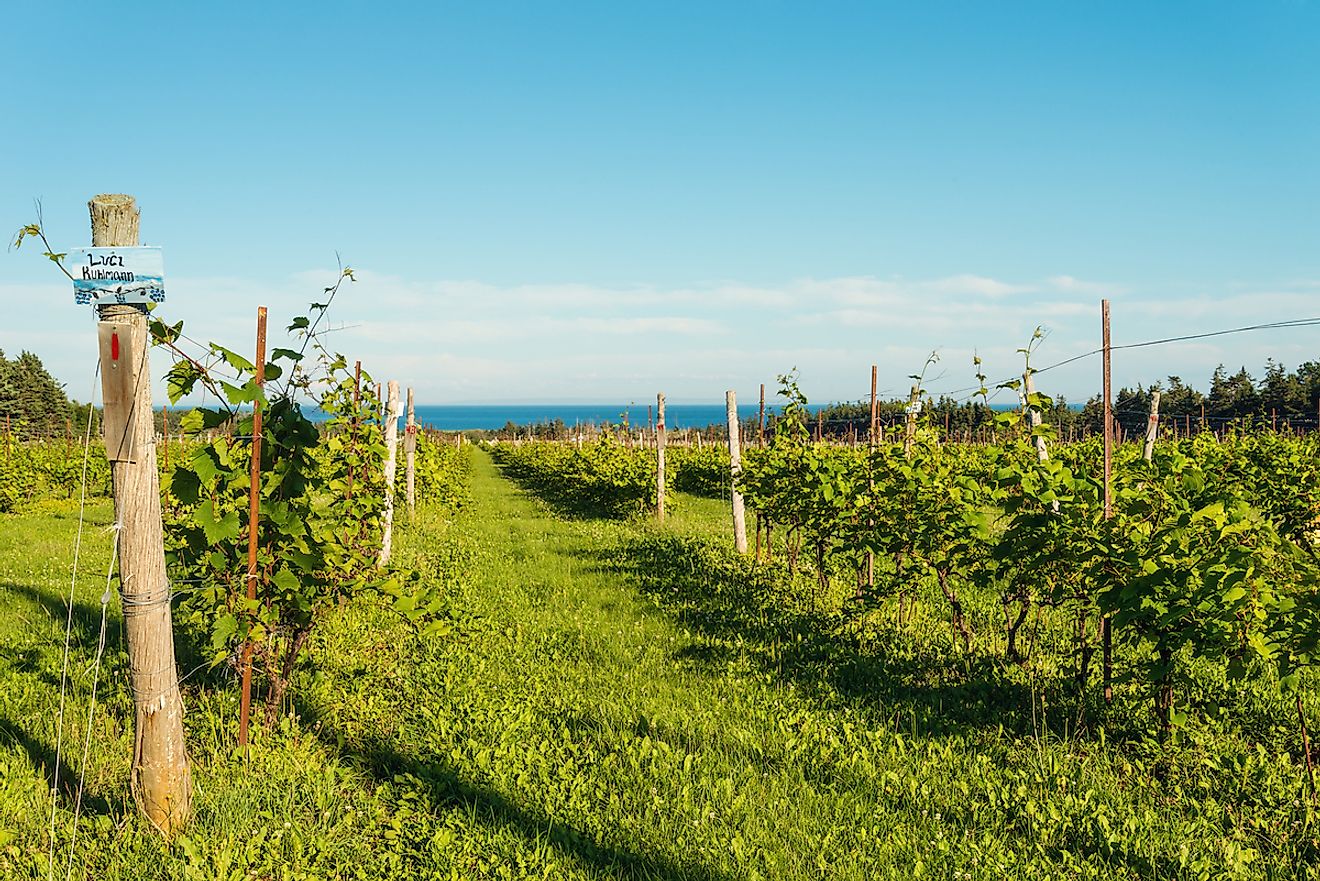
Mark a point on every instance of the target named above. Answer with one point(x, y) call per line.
point(8, 390)
point(1282, 391)
point(1180, 399)
point(30, 398)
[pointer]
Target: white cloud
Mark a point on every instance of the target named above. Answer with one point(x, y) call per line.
point(465, 340)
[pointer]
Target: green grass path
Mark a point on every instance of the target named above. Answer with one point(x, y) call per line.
point(613, 703)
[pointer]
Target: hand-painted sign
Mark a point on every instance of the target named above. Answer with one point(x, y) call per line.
point(116, 275)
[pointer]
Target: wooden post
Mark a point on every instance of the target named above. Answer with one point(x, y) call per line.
point(910, 433)
point(391, 465)
point(410, 455)
point(162, 780)
point(820, 424)
point(735, 467)
point(165, 438)
point(1152, 425)
point(660, 457)
point(1106, 626)
point(760, 427)
point(353, 425)
point(1029, 387)
point(254, 510)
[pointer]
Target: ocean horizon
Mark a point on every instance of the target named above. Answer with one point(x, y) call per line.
point(491, 417)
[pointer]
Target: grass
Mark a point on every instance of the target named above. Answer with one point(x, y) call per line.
point(622, 701)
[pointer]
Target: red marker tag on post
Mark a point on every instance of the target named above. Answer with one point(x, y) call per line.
point(121, 359)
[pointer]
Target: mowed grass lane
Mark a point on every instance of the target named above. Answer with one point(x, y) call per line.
point(603, 709)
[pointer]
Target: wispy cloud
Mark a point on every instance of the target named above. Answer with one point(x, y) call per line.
point(464, 340)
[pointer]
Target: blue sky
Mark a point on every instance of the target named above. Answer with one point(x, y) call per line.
point(596, 201)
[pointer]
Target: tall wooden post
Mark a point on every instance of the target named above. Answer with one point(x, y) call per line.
point(735, 467)
point(410, 455)
point(660, 457)
point(1153, 425)
point(161, 776)
point(1106, 626)
point(1029, 387)
point(910, 434)
point(760, 420)
point(254, 510)
point(391, 466)
point(353, 425)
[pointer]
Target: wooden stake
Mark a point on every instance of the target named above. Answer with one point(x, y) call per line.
point(735, 467)
point(162, 780)
point(410, 455)
point(254, 510)
point(660, 457)
point(760, 428)
point(1306, 745)
point(1029, 387)
point(1152, 425)
point(1106, 626)
point(353, 425)
point(391, 464)
point(910, 434)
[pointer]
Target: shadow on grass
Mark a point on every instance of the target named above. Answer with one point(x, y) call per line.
point(45, 763)
point(572, 500)
point(446, 785)
point(34, 664)
point(745, 615)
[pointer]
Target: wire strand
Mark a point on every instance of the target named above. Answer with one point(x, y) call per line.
point(68, 623)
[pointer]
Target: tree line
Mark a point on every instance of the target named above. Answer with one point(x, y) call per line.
point(32, 403)
point(1287, 396)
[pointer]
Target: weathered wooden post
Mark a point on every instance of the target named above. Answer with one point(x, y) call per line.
point(760, 420)
point(913, 407)
point(160, 773)
point(254, 510)
point(165, 432)
point(410, 455)
point(1153, 425)
point(735, 467)
point(391, 465)
point(1029, 387)
point(660, 457)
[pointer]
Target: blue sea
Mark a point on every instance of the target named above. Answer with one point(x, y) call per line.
point(463, 417)
point(471, 417)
